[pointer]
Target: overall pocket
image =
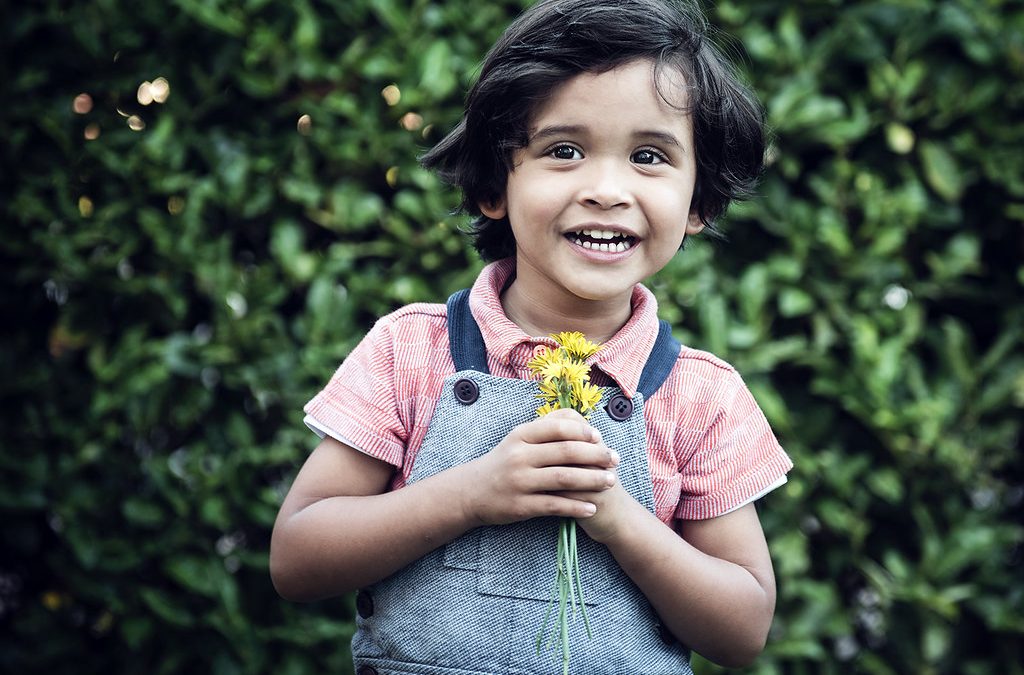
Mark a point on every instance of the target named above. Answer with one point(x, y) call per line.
point(520, 561)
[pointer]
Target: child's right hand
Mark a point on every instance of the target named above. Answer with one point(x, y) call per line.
point(558, 453)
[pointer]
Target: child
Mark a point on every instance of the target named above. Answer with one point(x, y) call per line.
point(599, 135)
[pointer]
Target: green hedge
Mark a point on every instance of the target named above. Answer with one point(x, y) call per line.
point(179, 289)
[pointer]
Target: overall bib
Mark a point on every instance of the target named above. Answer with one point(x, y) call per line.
point(477, 604)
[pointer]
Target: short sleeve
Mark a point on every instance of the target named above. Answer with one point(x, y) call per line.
point(737, 458)
point(359, 406)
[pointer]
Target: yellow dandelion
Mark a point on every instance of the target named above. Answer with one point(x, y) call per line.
point(541, 358)
point(547, 364)
point(585, 396)
point(547, 408)
point(576, 344)
point(548, 391)
point(573, 372)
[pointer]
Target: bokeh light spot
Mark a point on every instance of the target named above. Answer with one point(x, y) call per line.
point(411, 121)
point(160, 89)
point(143, 95)
point(82, 104)
point(392, 94)
point(305, 125)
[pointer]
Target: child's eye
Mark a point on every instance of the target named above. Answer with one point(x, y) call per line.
point(565, 152)
point(647, 156)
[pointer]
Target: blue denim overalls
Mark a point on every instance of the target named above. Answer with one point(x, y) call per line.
point(477, 604)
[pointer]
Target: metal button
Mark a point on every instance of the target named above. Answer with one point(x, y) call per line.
point(364, 604)
point(619, 408)
point(466, 391)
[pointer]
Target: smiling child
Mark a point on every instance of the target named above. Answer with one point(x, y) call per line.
point(599, 135)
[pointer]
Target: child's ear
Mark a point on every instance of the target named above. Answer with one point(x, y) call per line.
point(494, 209)
point(694, 225)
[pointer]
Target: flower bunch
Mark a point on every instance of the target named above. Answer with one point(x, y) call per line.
point(565, 384)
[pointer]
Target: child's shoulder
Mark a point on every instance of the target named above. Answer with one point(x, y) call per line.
point(700, 375)
point(415, 316)
point(418, 311)
point(697, 359)
point(419, 323)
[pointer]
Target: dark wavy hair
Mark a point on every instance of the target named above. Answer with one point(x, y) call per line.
point(557, 39)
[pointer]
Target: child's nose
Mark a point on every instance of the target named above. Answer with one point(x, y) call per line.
point(606, 186)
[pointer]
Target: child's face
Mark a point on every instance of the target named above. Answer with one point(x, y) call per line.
point(600, 197)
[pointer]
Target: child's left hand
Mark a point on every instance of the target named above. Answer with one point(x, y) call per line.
point(615, 510)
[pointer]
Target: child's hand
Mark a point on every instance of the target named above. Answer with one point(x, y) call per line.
point(552, 466)
point(615, 506)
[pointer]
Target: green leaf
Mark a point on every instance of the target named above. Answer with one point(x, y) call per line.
point(941, 170)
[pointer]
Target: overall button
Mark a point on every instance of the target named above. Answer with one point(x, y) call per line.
point(466, 391)
point(366, 670)
point(364, 604)
point(619, 408)
point(540, 350)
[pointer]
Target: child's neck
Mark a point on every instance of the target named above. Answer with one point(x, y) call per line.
point(544, 313)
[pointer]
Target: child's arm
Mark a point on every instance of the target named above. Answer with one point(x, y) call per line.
point(339, 530)
point(713, 587)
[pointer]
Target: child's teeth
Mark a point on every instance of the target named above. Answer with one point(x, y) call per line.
point(591, 242)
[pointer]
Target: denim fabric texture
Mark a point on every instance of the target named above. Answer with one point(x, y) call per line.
point(477, 604)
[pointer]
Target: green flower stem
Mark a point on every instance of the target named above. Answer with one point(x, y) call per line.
point(568, 592)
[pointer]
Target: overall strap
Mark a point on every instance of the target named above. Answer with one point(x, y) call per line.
point(468, 351)
point(660, 362)
point(464, 338)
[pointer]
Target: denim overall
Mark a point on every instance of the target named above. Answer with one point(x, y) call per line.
point(477, 604)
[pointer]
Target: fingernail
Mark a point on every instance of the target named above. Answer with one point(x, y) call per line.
point(590, 509)
point(615, 458)
point(609, 478)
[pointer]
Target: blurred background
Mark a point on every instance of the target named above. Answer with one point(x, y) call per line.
point(207, 203)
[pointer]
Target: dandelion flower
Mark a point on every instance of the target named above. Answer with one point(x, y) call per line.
point(547, 408)
point(576, 345)
point(565, 383)
point(585, 397)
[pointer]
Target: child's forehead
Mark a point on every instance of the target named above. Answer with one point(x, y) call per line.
point(595, 92)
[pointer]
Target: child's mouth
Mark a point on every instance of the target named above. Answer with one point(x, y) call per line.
point(602, 240)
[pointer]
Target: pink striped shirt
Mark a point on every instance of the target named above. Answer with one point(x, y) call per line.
point(710, 448)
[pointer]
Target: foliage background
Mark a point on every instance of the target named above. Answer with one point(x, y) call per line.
point(176, 293)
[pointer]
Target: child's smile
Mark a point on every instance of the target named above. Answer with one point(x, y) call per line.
point(604, 240)
point(599, 199)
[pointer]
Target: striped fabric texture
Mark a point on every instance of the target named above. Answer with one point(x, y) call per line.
point(709, 446)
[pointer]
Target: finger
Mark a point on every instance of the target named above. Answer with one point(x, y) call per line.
point(559, 427)
point(567, 413)
point(558, 505)
point(566, 453)
point(572, 479)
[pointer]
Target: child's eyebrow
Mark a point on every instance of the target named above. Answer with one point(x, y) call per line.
point(556, 130)
point(660, 137)
point(559, 130)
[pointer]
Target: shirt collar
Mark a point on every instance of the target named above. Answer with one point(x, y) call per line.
point(622, 358)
